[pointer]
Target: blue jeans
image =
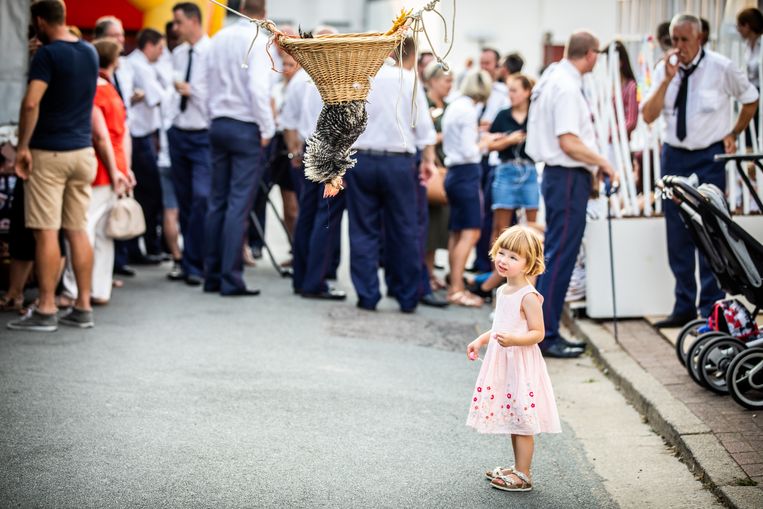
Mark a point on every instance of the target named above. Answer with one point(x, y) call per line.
point(192, 179)
point(565, 194)
point(237, 171)
point(681, 248)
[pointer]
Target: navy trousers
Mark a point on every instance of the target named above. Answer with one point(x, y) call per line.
point(565, 195)
point(482, 261)
point(383, 188)
point(148, 191)
point(317, 236)
point(192, 178)
point(422, 214)
point(681, 248)
point(236, 173)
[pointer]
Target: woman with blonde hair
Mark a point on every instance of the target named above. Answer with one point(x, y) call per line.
point(463, 153)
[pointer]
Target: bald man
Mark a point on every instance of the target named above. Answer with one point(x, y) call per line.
point(561, 134)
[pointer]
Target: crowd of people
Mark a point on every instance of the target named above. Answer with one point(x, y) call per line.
point(199, 140)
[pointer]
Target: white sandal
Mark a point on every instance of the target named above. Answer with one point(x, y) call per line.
point(498, 471)
point(509, 484)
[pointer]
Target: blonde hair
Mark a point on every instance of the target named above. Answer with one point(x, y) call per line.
point(526, 243)
point(477, 85)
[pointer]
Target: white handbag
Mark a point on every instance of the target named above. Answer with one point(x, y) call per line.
point(126, 219)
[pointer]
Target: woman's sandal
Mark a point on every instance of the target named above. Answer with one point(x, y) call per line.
point(466, 299)
point(497, 471)
point(515, 481)
point(437, 284)
point(14, 304)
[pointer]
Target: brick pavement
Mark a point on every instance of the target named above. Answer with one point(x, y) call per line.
point(738, 429)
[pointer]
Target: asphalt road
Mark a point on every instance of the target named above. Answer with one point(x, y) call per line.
point(180, 399)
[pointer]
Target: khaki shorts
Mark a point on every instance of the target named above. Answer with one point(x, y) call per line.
point(57, 193)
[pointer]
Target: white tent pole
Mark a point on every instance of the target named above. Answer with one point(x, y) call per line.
point(646, 167)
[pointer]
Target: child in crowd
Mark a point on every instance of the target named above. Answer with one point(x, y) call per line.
point(513, 394)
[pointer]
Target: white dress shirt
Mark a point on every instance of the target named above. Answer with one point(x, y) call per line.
point(498, 100)
point(460, 133)
point(123, 74)
point(708, 107)
point(752, 60)
point(312, 105)
point(196, 114)
point(389, 113)
point(236, 92)
point(293, 96)
point(559, 107)
point(145, 116)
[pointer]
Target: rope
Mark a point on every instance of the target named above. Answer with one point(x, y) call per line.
point(260, 23)
point(417, 25)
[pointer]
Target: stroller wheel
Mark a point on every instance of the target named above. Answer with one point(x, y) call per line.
point(715, 359)
point(687, 336)
point(745, 378)
point(693, 360)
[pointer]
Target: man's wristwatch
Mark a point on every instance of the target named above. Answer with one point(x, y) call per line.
point(294, 155)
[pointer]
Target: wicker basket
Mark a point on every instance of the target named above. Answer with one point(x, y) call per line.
point(341, 64)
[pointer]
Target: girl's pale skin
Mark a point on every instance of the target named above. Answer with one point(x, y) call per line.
point(513, 267)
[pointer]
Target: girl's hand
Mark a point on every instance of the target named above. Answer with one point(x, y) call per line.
point(473, 350)
point(504, 339)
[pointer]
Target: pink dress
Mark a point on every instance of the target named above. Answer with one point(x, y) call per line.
point(513, 392)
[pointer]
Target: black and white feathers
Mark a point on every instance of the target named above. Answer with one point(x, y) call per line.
point(329, 155)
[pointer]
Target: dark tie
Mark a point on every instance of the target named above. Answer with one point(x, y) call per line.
point(116, 85)
point(184, 99)
point(683, 93)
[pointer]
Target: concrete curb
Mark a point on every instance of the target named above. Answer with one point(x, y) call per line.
point(697, 446)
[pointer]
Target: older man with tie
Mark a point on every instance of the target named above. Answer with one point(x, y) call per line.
point(189, 137)
point(242, 124)
point(691, 90)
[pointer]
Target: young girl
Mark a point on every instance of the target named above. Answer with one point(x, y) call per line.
point(513, 394)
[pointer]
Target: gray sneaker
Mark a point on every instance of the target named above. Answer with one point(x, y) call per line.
point(36, 322)
point(77, 318)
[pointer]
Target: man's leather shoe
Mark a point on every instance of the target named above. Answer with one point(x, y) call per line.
point(330, 294)
point(561, 351)
point(675, 321)
point(124, 270)
point(434, 300)
point(192, 280)
point(242, 292)
point(574, 344)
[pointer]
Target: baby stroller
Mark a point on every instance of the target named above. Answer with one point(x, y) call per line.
point(723, 353)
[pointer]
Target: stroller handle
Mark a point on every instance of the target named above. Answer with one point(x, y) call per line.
point(739, 159)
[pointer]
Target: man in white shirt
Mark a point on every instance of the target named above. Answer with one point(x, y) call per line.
point(317, 233)
point(189, 138)
point(560, 133)
point(144, 122)
point(384, 186)
point(242, 125)
point(693, 96)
